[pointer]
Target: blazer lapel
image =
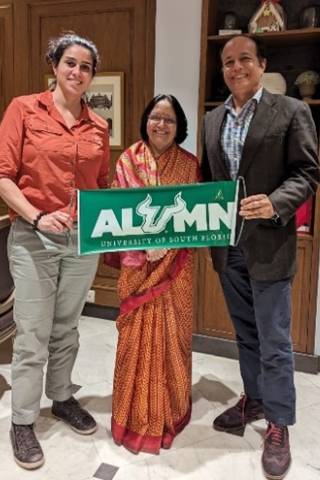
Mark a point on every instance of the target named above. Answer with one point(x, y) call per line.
point(213, 133)
point(264, 117)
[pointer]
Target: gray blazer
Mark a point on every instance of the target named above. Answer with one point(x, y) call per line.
point(280, 159)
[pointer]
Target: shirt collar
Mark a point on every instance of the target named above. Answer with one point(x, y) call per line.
point(256, 97)
point(46, 99)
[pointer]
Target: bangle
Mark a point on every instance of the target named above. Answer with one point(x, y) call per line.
point(37, 220)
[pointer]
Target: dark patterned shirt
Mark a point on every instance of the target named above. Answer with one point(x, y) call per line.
point(235, 129)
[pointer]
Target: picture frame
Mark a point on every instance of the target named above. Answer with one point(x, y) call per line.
point(105, 97)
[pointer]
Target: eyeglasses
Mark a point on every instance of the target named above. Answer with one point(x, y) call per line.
point(158, 119)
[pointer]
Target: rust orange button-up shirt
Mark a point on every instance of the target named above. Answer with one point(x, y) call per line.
point(46, 159)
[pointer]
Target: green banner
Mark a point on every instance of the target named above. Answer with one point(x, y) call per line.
point(171, 216)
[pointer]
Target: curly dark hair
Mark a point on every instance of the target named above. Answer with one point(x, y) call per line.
point(57, 46)
point(182, 124)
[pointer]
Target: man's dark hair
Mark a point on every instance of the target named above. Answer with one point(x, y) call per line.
point(261, 50)
point(182, 124)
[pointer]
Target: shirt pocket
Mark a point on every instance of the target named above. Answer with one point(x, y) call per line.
point(90, 147)
point(46, 136)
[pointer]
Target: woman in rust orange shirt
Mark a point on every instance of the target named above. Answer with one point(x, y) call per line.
point(50, 145)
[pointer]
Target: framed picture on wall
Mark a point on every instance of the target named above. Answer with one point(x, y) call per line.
point(105, 97)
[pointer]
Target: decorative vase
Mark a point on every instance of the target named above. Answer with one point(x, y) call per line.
point(274, 82)
point(310, 17)
point(307, 90)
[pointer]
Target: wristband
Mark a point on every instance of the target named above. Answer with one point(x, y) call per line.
point(37, 219)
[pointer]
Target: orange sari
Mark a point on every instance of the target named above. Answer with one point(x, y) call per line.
point(152, 380)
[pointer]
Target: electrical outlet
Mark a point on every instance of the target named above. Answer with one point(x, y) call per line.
point(91, 296)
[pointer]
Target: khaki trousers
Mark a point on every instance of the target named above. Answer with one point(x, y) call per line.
point(51, 285)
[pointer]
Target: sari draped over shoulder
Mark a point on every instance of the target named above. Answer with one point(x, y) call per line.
point(152, 380)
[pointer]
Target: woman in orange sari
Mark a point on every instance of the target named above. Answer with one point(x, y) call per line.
point(152, 381)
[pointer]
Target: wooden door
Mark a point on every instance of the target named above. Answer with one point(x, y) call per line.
point(6, 65)
point(124, 32)
point(6, 57)
point(213, 317)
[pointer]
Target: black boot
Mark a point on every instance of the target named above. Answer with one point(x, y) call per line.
point(234, 419)
point(71, 412)
point(26, 448)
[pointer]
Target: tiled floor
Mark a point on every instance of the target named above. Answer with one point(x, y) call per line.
point(197, 453)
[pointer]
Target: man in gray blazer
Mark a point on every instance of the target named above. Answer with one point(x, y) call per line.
point(270, 141)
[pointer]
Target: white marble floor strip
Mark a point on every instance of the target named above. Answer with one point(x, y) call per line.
point(198, 452)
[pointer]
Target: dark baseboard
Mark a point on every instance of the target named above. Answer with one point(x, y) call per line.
point(228, 348)
point(100, 311)
point(212, 345)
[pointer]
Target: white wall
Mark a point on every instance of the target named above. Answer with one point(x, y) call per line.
point(178, 26)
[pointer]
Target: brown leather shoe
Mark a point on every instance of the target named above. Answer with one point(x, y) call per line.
point(71, 412)
point(276, 457)
point(234, 419)
point(26, 448)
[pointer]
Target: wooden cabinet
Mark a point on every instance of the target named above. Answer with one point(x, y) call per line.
point(289, 52)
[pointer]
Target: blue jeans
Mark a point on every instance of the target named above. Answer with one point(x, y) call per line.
point(261, 315)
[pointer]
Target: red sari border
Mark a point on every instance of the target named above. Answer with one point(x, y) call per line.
point(134, 301)
point(135, 443)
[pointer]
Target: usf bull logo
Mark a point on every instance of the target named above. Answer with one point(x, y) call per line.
point(149, 214)
point(205, 216)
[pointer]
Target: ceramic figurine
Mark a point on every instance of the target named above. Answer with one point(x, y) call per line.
point(230, 21)
point(269, 17)
point(230, 24)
